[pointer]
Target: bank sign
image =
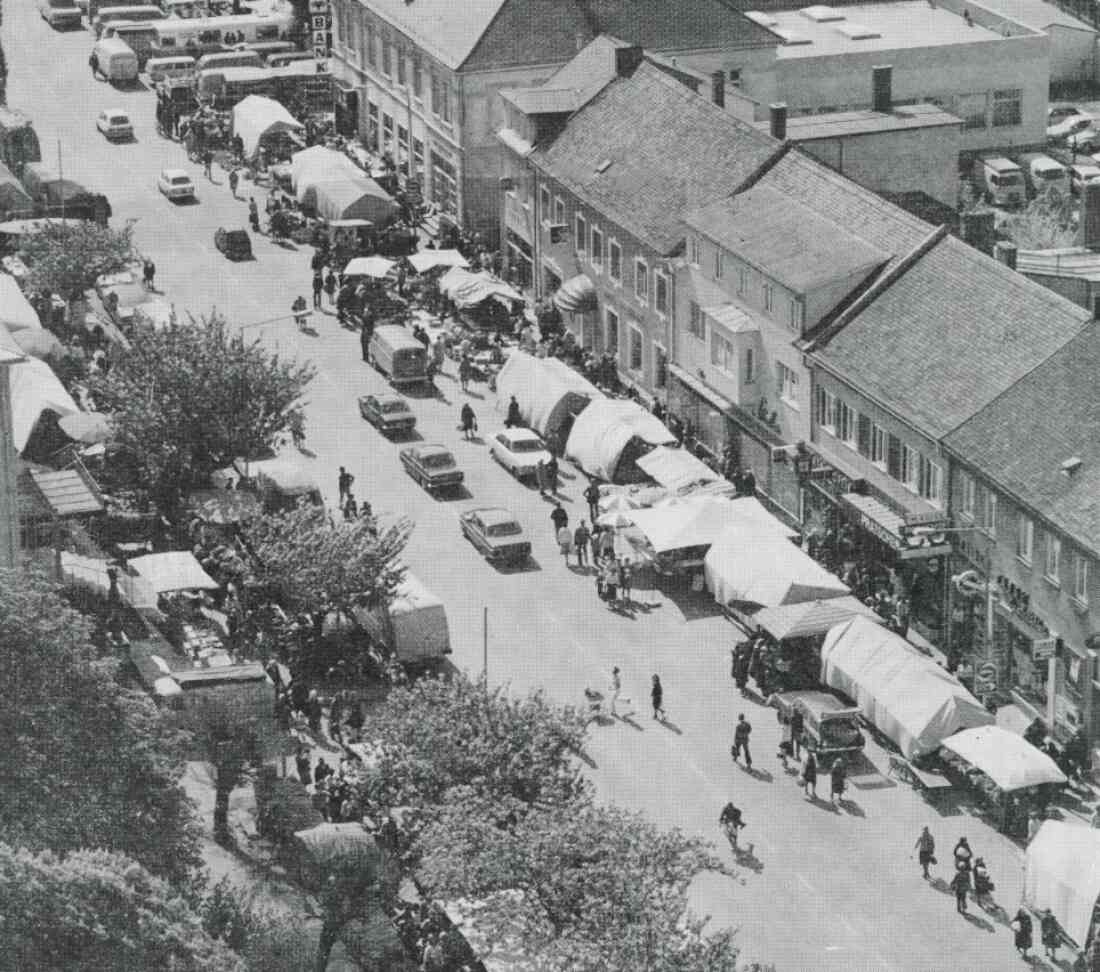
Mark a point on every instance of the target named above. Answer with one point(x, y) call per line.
point(320, 29)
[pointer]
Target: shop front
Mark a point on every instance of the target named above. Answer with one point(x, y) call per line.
point(444, 182)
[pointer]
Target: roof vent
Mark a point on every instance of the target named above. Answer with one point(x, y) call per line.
point(857, 31)
point(763, 19)
point(603, 165)
point(790, 37)
point(1071, 465)
point(821, 14)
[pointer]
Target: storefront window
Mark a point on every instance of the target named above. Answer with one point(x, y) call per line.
point(1027, 675)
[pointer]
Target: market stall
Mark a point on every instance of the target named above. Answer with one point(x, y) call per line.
point(1062, 873)
point(427, 260)
point(792, 622)
point(259, 122)
point(35, 391)
point(610, 435)
point(375, 267)
point(319, 164)
point(550, 394)
point(348, 197)
point(16, 312)
point(906, 695)
point(173, 570)
point(676, 469)
point(680, 533)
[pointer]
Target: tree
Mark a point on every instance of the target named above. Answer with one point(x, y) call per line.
point(192, 397)
point(87, 763)
point(1046, 223)
point(94, 910)
point(67, 258)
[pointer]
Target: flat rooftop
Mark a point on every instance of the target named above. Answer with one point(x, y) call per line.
point(837, 124)
point(818, 30)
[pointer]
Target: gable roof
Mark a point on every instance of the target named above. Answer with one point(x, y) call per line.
point(445, 29)
point(785, 239)
point(1037, 14)
point(1055, 409)
point(950, 334)
point(528, 32)
point(670, 150)
point(668, 25)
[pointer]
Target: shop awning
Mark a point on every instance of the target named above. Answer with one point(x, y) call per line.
point(880, 520)
point(1009, 760)
point(811, 617)
point(372, 266)
point(700, 388)
point(676, 469)
point(691, 523)
point(175, 570)
point(1062, 873)
point(577, 295)
point(430, 259)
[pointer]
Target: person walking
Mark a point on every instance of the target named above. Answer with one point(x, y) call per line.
point(208, 164)
point(513, 420)
point(1049, 932)
point(798, 727)
point(838, 779)
point(594, 543)
point(626, 579)
point(592, 497)
point(234, 179)
point(253, 215)
point(364, 344)
point(617, 691)
point(351, 507)
point(542, 477)
point(298, 308)
point(559, 518)
point(565, 543)
point(657, 697)
point(552, 475)
point(318, 288)
point(148, 273)
point(741, 733)
point(581, 537)
point(344, 481)
point(464, 373)
point(330, 286)
point(925, 848)
point(469, 421)
point(809, 775)
point(963, 854)
point(1021, 930)
point(302, 763)
point(960, 884)
point(607, 547)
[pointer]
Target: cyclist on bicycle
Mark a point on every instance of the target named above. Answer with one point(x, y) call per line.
point(731, 821)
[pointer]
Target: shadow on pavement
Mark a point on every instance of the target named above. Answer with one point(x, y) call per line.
point(760, 774)
point(671, 726)
point(850, 806)
point(974, 919)
point(530, 565)
point(746, 857)
point(629, 720)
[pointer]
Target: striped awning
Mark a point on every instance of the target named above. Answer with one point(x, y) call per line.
point(577, 295)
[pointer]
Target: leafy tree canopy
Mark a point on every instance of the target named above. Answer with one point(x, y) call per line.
point(87, 763)
point(192, 397)
point(67, 258)
point(94, 910)
point(1047, 222)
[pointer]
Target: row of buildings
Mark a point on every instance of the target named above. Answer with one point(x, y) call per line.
point(697, 198)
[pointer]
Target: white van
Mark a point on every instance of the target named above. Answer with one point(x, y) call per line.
point(159, 68)
point(230, 59)
point(1043, 173)
point(135, 14)
point(414, 628)
point(1000, 181)
point(117, 61)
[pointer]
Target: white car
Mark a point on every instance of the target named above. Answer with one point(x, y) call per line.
point(176, 184)
point(1085, 141)
point(1070, 125)
point(519, 451)
point(1081, 173)
point(114, 123)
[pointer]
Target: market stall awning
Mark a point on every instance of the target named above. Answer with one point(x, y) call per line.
point(676, 469)
point(1009, 760)
point(349, 197)
point(67, 492)
point(547, 391)
point(879, 519)
point(1062, 873)
point(319, 164)
point(1014, 719)
point(577, 295)
point(222, 506)
point(175, 570)
point(468, 289)
point(256, 116)
point(430, 259)
point(692, 523)
point(372, 266)
point(811, 617)
point(16, 313)
point(35, 390)
point(603, 430)
point(37, 343)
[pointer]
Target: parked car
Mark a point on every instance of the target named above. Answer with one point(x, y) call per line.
point(115, 124)
point(496, 534)
point(1084, 142)
point(388, 413)
point(60, 13)
point(176, 184)
point(830, 728)
point(1043, 174)
point(519, 451)
point(1057, 113)
point(432, 466)
point(1080, 173)
point(234, 243)
point(1069, 125)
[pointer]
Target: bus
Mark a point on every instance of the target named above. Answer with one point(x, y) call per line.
point(114, 15)
point(200, 35)
point(139, 35)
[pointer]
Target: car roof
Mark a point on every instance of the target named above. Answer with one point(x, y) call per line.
point(172, 173)
point(493, 515)
point(817, 702)
point(384, 398)
point(517, 434)
point(432, 449)
point(115, 111)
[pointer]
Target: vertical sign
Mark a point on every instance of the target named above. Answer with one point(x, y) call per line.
point(320, 31)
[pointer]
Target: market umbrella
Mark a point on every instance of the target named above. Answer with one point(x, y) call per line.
point(614, 518)
point(372, 266)
point(86, 427)
point(38, 343)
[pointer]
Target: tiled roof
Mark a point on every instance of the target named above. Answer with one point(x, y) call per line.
point(527, 32)
point(785, 239)
point(670, 25)
point(543, 100)
point(953, 332)
point(1055, 410)
point(445, 29)
point(670, 151)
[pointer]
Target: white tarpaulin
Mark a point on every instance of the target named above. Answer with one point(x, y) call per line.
point(35, 389)
point(903, 693)
point(429, 259)
point(1062, 873)
point(811, 618)
point(349, 197)
point(16, 313)
point(319, 164)
point(605, 428)
point(1007, 759)
point(372, 266)
point(676, 469)
point(547, 390)
point(468, 289)
point(752, 565)
point(175, 570)
point(692, 523)
point(256, 116)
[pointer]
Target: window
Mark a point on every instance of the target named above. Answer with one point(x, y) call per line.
point(769, 296)
point(596, 253)
point(846, 424)
point(931, 481)
point(786, 383)
point(742, 280)
point(1006, 107)
point(418, 158)
point(544, 203)
point(641, 281)
point(696, 325)
point(967, 495)
point(445, 99)
point(826, 404)
point(660, 367)
point(1025, 537)
point(722, 354)
point(559, 211)
point(1054, 559)
point(611, 338)
point(971, 109)
point(400, 55)
point(910, 467)
point(635, 349)
point(436, 97)
point(387, 66)
point(878, 445)
point(750, 366)
point(987, 521)
point(695, 249)
point(417, 77)
point(387, 132)
point(580, 226)
point(372, 57)
point(615, 261)
point(717, 264)
point(660, 292)
point(794, 320)
point(1080, 579)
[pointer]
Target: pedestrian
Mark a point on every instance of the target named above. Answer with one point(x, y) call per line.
point(798, 726)
point(962, 854)
point(838, 778)
point(1021, 929)
point(983, 886)
point(464, 373)
point(351, 508)
point(594, 539)
point(297, 429)
point(469, 421)
point(565, 542)
point(321, 771)
point(234, 178)
point(1050, 933)
point(302, 762)
point(330, 286)
point(960, 884)
point(207, 164)
point(313, 712)
point(513, 420)
point(344, 481)
point(581, 537)
point(298, 308)
point(626, 578)
point(657, 697)
point(93, 63)
point(592, 497)
point(552, 475)
point(253, 215)
point(318, 288)
point(741, 668)
point(610, 582)
point(741, 733)
point(148, 273)
point(809, 775)
point(364, 344)
point(607, 547)
point(559, 518)
point(926, 850)
point(617, 691)
point(542, 477)
point(439, 354)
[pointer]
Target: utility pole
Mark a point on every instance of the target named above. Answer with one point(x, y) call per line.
point(9, 500)
point(485, 643)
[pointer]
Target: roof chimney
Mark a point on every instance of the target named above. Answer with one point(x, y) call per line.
point(882, 97)
point(1090, 216)
point(718, 88)
point(627, 60)
point(777, 115)
point(1005, 252)
point(979, 230)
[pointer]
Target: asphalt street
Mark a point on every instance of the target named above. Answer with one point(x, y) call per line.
point(823, 889)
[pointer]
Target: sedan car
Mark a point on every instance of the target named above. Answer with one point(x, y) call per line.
point(390, 414)
point(519, 451)
point(1086, 141)
point(1081, 173)
point(115, 124)
point(432, 466)
point(176, 184)
point(1070, 125)
point(496, 534)
point(1057, 113)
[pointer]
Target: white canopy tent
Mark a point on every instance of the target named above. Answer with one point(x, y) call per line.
point(349, 197)
point(811, 617)
point(547, 390)
point(371, 266)
point(35, 389)
point(692, 523)
point(603, 431)
point(676, 469)
point(431, 259)
point(319, 164)
point(1062, 873)
point(753, 567)
point(16, 313)
point(256, 116)
point(905, 694)
point(174, 570)
point(1008, 759)
point(468, 289)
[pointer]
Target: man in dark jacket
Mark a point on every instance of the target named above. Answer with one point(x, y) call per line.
point(741, 734)
point(592, 497)
point(559, 518)
point(513, 419)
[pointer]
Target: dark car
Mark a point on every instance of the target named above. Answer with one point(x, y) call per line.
point(390, 414)
point(830, 727)
point(234, 243)
point(496, 534)
point(432, 466)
